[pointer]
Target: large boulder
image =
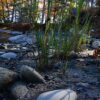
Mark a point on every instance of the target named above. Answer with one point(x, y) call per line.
point(19, 90)
point(6, 76)
point(61, 94)
point(29, 74)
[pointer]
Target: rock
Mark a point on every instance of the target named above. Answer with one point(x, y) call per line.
point(61, 94)
point(23, 39)
point(57, 64)
point(19, 90)
point(1, 52)
point(76, 75)
point(6, 76)
point(9, 55)
point(82, 85)
point(96, 44)
point(30, 74)
point(81, 59)
point(86, 53)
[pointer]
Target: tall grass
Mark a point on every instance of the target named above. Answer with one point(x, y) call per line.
point(57, 39)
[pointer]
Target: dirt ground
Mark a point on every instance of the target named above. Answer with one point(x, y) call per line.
point(81, 76)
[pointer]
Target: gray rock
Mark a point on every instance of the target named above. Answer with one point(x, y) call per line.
point(29, 74)
point(96, 44)
point(76, 75)
point(23, 39)
point(58, 64)
point(61, 94)
point(94, 61)
point(6, 76)
point(1, 52)
point(19, 90)
point(9, 55)
point(82, 85)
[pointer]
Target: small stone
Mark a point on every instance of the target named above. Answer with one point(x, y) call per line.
point(96, 44)
point(81, 60)
point(6, 76)
point(83, 85)
point(1, 52)
point(19, 90)
point(58, 64)
point(62, 94)
point(29, 74)
point(76, 75)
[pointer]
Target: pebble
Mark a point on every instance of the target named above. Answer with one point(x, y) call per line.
point(82, 85)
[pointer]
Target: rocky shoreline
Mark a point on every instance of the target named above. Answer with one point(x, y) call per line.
point(20, 81)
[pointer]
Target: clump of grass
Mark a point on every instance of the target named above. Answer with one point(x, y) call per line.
point(58, 38)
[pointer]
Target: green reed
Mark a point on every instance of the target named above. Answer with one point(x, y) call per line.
point(64, 42)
